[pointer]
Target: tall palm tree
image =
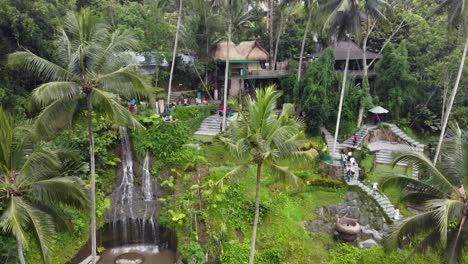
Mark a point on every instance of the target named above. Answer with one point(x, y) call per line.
point(33, 187)
point(442, 192)
point(343, 21)
point(91, 71)
point(174, 51)
point(457, 11)
point(309, 5)
point(263, 138)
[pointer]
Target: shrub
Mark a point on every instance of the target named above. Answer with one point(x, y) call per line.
point(324, 182)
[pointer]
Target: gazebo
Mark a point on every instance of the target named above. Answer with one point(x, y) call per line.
point(378, 112)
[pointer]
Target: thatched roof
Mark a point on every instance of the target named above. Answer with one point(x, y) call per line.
point(251, 50)
point(221, 51)
point(355, 52)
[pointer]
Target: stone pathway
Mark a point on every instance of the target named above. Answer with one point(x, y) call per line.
point(330, 140)
point(211, 125)
point(380, 198)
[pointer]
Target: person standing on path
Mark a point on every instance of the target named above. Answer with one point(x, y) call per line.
point(354, 139)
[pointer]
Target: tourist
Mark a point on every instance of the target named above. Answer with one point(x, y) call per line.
point(374, 186)
point(132, 108)
point(186, 101)
point(354, 139)
point(350, 155)
point(396, 214)
point(204, 101)
point(221, 109)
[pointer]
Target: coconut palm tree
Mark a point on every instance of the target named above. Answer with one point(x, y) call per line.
point(309, 5)
point(174, 51)
point(91, 71)
point(33, 187)
point(442, 193)
point(263, 138)
point(345, 21)
point(457, 11)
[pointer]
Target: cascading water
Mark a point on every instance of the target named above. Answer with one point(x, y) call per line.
point(132, 233)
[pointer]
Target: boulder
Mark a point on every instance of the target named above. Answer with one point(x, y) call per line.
point(369, 243)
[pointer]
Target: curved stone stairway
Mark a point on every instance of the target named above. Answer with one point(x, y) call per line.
point(384, 155)
point(211, 125)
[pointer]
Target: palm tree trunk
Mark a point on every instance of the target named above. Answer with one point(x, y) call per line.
point(226, 72)
point(174, 51)
point(19, 244)
point(93, 178)
point(299, 70)
point(280, 28)
point(270, 29)
point(452, 99)
point(257, 212)
point(337, 129)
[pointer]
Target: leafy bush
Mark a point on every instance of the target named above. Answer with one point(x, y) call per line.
point(324, 182)
point(192, 116)
point(192, 253)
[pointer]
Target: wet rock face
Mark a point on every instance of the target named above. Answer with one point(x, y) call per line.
point(356, 206)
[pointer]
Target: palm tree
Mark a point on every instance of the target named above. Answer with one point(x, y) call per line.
point(442, 192)
point(309, 5)
point(263, 138)
point(174, 51)
point(33, 187)
point(91, 71)
point(457, 11)
point(343, 21)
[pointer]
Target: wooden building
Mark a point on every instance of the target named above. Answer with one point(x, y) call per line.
point(248, 66)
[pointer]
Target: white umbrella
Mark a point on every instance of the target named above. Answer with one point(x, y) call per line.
point(378, 110)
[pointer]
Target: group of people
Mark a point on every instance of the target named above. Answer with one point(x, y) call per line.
point(132, 105)
point(167, 114)
point(186, 101)
point(350, 164)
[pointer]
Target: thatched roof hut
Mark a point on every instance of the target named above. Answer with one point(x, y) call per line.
point(355, 52)
point(221, 51)
point(251, 50)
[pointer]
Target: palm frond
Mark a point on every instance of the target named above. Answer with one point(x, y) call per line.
point(42, 68)
point(124, 82)
point(112, 109)
point(445, 210)
point(403, 181)
point(237, 171)
point(454, 248)
point(43, 227)
point(60, 190)
point(439, 180)
point(41, 164)
point(15, 220)
point(409, 226)
point(55, 116)
point(455, 155)
point(284, 174)
point(59, 90)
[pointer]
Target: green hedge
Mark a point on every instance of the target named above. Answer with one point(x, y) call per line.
point(324, 182)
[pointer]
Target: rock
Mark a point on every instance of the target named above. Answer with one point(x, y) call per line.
point(354, 212)
point(363, 219)
point(320, 212)
point(332, 209)
point(352, 196)
point(369, 243)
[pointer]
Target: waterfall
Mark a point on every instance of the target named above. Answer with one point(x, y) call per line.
point(146, 185)
point(135, 212)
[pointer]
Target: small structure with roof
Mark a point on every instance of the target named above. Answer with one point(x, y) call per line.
point(356, 56)
point(247, 61)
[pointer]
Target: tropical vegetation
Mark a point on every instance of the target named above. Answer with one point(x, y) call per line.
point(263, 190)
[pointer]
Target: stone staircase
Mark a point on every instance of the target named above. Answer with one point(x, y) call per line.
point(175, 95)
point(330, 140)
point(211, 125)
point(361, 135)
point(385, 156)
point(398, 132)
point(381, 199)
